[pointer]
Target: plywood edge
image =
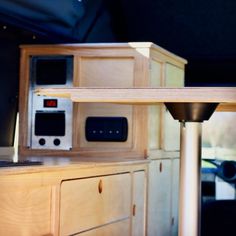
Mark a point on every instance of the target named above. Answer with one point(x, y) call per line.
point(132, 45)
point(146, 96)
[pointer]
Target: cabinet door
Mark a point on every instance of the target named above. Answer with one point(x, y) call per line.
point(175, 196)
point(171, 140)
point(139, 198)
point(25, 212)
point(159, 198)
point(121, 228)
point(105, 71)
point(92, 202)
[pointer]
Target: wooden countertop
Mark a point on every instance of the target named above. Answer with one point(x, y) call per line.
point(57, 164)
point(226, 96)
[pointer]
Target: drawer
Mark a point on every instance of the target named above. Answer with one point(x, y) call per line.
point(115, 229)
point(91, 202)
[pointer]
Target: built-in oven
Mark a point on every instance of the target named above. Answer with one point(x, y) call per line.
point(50, 119)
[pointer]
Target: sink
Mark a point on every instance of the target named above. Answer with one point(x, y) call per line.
point(7, 163)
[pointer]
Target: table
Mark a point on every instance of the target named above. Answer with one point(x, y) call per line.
point(191, 106)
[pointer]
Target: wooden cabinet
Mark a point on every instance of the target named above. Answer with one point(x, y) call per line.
point(122, 65)
point(163, 197)
point(102, 203)
point(87, 199)
point(91, 202)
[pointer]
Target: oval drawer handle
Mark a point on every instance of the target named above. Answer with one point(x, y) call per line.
point(100, 186)
point(134, 210)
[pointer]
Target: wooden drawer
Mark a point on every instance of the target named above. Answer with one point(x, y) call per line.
point(91, 202)
point(121, 228)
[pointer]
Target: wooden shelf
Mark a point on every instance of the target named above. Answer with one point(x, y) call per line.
point(147, 96)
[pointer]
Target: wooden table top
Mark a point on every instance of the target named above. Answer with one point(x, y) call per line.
point(225, 96)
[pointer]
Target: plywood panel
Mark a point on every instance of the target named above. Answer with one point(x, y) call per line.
point(171, 132)
point(88, 203)
point(25, 212)
point(159, 198)
point(139, 205)
point(154, 127)
point(154, 112)
point(156, 69)
point(174, 78)
point(105, 72)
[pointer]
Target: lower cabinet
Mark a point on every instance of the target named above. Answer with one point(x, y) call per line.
point(163, 197)
point(91, 202)
point(99, 201)
point(104, 205)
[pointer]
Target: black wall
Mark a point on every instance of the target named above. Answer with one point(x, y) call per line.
point(204, 32)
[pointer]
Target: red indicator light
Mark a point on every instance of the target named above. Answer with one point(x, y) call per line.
point(50, 103)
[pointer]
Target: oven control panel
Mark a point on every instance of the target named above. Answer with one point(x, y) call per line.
point(49, 118)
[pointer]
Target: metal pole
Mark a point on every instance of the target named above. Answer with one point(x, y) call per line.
point(190, 179)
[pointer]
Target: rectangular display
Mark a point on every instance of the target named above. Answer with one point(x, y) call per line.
point(50, 123)
point(51, 70)
point(50, 103)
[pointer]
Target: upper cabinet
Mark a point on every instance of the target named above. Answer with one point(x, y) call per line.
point(127, 130)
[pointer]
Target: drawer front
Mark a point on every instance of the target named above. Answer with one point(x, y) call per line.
point(121, 228)
point(91, 202)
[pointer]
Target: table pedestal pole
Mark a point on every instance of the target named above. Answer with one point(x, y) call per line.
point(190, 180)
point(190, 115)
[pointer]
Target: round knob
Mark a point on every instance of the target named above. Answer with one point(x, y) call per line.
point(42, 141)
point(56, 142)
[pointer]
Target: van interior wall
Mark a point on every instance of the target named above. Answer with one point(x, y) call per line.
point(93, 26)
point(203, 32)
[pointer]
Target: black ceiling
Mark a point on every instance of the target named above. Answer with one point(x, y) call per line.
point(204, 32)
point(188, 27)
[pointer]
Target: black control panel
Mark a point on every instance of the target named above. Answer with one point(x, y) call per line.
point(106, 129)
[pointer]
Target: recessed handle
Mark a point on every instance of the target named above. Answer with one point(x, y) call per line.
point(134, 210)
point(160, 167)
point(100, 186)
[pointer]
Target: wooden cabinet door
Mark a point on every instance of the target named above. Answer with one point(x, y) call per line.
point(139, 206)
point(159, 198)
point(171, 134)
point(92, 202)
point(175, 196)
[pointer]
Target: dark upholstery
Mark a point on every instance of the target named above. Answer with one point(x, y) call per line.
point(219, 218)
